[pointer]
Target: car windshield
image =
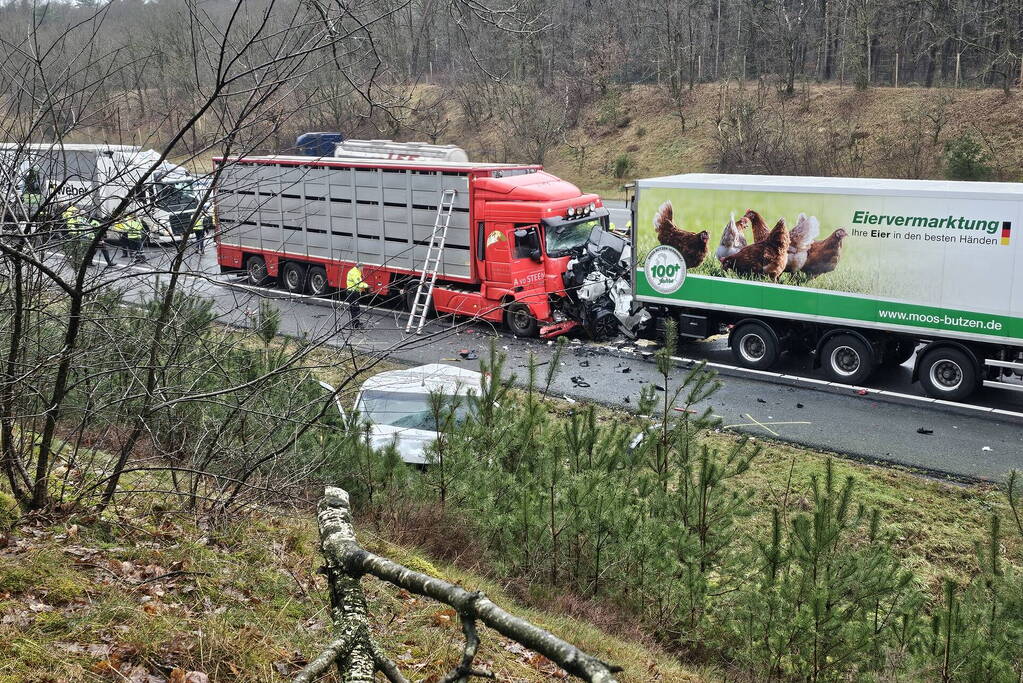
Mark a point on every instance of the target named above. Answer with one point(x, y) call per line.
point(563, 238)
point(175, 197)
point(403, 409)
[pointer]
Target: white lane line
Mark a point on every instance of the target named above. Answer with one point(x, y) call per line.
point(926, 400)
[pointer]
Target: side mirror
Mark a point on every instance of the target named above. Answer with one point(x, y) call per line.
point(535, 255)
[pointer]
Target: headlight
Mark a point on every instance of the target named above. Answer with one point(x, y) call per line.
point(571, 211)
point(592, 207)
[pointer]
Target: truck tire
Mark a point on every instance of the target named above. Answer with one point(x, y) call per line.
point(255, 266)
point(293, 277)
point(755, 346)
point(848, 360)
point(520, 321)
point(948, 374)
point(317, 283)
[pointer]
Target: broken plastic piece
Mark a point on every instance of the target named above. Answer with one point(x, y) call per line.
point(924, 430)
point(557, 329)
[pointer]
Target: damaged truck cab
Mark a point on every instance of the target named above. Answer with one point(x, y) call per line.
point(537, 229)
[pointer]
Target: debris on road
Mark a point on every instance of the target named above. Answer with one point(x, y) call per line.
point(580, 382)
point(924, 430)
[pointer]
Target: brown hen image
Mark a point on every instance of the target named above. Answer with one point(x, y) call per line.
point(692, 245)
point(822, 257)
point(767, 257)
point(800, 239)
point(759, 225)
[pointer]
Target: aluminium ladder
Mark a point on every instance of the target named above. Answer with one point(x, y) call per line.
point(432, 262)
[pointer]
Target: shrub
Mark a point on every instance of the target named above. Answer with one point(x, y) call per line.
point(965, 159)
point(623, 166)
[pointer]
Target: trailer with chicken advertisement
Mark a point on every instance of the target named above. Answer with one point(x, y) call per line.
point(862, 272)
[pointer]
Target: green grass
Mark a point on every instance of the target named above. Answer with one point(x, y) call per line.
point(250, 600)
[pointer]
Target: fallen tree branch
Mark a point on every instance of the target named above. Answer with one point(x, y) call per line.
point(347, 562)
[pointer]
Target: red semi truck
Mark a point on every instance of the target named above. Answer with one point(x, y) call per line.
point(522, 246)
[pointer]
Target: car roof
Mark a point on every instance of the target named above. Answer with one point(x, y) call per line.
point(448, 379)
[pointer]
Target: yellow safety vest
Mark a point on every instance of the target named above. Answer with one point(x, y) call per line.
point(132, 228)
point(355, 281)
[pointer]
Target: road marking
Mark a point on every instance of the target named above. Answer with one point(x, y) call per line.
point(753, 422)
point(846, 387)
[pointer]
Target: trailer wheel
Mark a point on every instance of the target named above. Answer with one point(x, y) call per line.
point(317, 281)
point(848, 360)
point(520, 321)
point(755, 346)
point(293, 277)
point(948, 374)
point(256, 268)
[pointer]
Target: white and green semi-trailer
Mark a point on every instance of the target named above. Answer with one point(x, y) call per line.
point(874, 272)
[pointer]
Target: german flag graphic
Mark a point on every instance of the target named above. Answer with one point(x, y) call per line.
point(1006, 229)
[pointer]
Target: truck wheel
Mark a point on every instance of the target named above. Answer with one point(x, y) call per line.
point(317, 283)
point(754, 346)
point(948, 374)
point(520, 321)
point(293, 278)
point(256, 268)
point(848, 360)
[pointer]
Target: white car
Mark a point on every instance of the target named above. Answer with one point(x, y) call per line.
point(397, 405)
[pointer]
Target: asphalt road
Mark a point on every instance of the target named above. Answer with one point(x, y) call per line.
point(797, 407)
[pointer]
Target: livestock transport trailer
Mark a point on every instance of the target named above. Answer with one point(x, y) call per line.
point(864, 273)
point(513, 232)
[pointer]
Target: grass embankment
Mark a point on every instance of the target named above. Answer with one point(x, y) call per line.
point(640, 123)
point(139, 591)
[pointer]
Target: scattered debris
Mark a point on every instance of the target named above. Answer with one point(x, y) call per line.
point(580, 382)
point(986, 448)
point(924, 430)
point(799, 405)
point(626, 371)
point(760, 400)
point(861, 392)
point(570, 400)
point(468, 354)
point(584, 363)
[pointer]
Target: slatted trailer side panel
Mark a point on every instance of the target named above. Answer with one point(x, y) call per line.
point(377, 216)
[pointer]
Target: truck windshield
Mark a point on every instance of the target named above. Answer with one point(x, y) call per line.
point(564, 238)
point(175, 197)
point(403, 409)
